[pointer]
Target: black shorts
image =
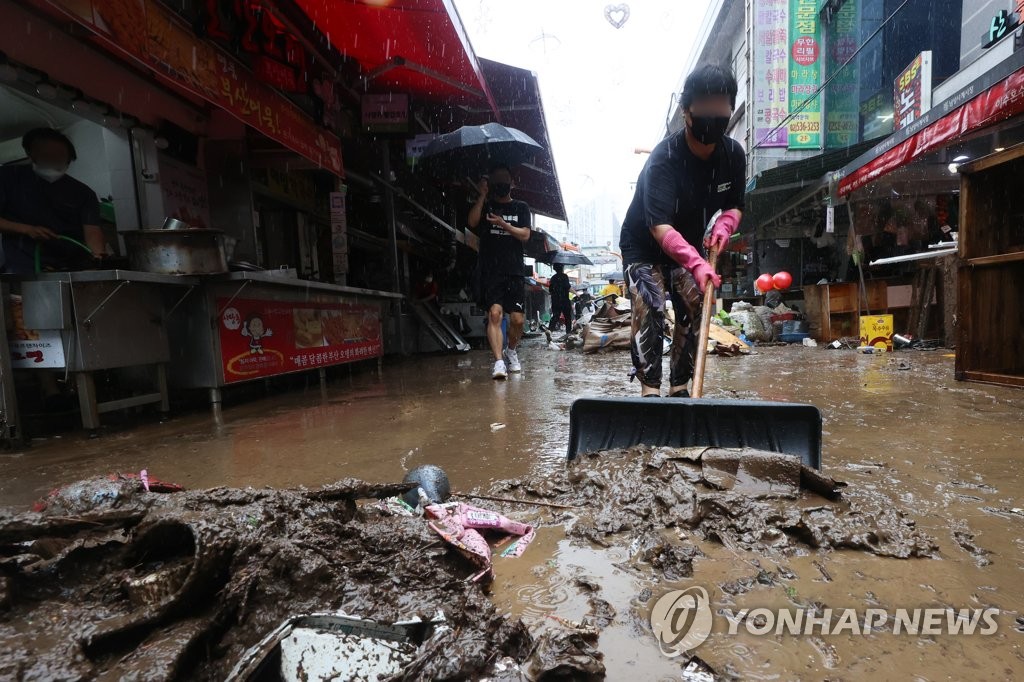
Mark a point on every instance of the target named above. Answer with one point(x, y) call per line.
point(507, 291)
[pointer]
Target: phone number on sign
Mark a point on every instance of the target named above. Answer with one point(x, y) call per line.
point(805, 127)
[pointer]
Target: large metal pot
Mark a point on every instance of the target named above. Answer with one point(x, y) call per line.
point(177, 252)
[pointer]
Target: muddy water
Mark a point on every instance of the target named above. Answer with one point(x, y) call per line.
point(945, 452)
point(423, 410)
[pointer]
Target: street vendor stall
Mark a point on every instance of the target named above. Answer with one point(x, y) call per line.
point(79, 323)
point(245, 326)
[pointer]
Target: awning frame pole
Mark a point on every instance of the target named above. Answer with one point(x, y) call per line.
point(392, 220)
point(402, 62)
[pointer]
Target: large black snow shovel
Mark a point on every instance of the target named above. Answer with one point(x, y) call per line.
point(597, 424)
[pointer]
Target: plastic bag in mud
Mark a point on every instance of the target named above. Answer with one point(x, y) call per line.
point(751, 323)
point(609, 329)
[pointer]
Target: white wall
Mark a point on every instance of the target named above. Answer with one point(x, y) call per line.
point(91, 166)
point(977, 19)
point(122, 179)
point(105, 165)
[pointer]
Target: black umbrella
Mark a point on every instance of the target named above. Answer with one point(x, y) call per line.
point(472, 149)
point(541, 245)
point(566, 258)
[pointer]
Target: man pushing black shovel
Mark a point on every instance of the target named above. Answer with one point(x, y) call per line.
point(691, 175)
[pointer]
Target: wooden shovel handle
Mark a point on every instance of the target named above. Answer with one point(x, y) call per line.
point(705, 330)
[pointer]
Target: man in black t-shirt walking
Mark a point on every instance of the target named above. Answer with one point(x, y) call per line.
point(503, 225)
point(690, 176)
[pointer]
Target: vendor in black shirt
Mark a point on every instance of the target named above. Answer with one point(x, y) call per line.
point(690, 175)
point(40, 203)
point(503, 225)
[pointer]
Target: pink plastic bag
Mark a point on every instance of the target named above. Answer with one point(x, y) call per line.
point(459, 524)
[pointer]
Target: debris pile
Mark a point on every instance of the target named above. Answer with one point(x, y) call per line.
point(743, 499)
point(112, 580)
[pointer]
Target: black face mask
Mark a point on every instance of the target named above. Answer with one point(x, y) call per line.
point(501, 190)
point(709, 129)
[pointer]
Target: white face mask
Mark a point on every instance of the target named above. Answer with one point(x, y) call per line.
point(48, 174)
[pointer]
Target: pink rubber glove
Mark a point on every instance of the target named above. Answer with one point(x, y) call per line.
point(725, 227)
point(683, 253)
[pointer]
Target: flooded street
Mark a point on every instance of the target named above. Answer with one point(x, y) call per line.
point(897, 428)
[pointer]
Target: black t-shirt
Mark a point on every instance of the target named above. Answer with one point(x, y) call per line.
point(501, 254)
point(679, 189)
point(559, 287)
point(64, 206)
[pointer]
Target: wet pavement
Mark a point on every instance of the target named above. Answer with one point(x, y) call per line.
point(898, 429)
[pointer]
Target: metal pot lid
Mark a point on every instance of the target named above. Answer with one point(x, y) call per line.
point(161, 231)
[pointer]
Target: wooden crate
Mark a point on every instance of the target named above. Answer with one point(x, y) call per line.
point(833, 310)
point(990, 309)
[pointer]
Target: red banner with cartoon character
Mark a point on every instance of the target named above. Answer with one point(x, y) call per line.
point(261, 338)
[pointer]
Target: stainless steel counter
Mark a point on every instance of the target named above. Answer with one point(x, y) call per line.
point(100, 320)
point(107, 276)
point(267, 277)
point(107, 319)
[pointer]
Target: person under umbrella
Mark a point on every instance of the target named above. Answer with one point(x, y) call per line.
point(503, 225)
point(561, 306)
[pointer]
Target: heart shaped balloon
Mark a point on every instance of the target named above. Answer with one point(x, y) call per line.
point(617, 15)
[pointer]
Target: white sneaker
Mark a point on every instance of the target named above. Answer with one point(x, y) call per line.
point(499, 370)
point(512, 358)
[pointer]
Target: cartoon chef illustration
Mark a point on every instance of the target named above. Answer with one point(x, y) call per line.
point(256, 331)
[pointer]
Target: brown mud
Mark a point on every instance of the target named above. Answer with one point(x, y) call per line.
point(898, 429)
point(636, 492)
point(178, 586)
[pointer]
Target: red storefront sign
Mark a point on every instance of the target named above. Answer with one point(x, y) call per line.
point(1000, 102)
point(260, 338)
point(154, 36)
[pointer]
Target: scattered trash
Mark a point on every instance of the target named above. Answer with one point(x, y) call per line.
point(754, 327)
point(722, 342)
point(847, 342)
point(608, 329)
point(497, 426)
point(460, 525)
point(433, 485)
point(965, 539)
point(569, 654)
point(810, 343)
point(324, 646)
point(102, 491)
point(696, 670)
point(902, 340)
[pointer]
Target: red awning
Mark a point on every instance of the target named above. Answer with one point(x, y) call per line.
point(517, 95)
point(405, 46)
point(1000, 102)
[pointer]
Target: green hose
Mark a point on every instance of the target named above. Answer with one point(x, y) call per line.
point(39, 251)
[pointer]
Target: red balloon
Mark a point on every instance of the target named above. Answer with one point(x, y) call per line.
point(765, 283)
point(783, 280)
